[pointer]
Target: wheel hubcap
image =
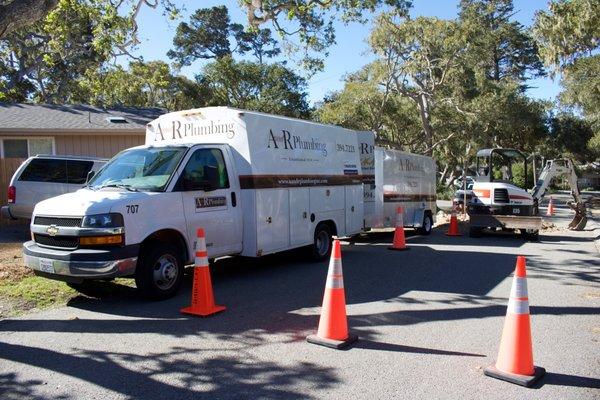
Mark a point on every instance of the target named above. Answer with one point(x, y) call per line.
point(427, 225)
point(165, 272)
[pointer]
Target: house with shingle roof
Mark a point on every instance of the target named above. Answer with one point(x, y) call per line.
point(81, 130)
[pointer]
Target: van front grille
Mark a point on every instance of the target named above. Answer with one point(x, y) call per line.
point(64, 242)
point(58, 221)
point(501, 196)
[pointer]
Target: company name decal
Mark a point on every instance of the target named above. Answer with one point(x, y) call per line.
point(207, 202)
point(180, 130)
point(287, 141)
point(407, 165)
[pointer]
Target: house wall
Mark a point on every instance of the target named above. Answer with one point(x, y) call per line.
point(97, 146)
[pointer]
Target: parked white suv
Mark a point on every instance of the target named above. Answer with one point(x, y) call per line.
point(44, 176)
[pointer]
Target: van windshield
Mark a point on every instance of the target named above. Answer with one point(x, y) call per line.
point(147, 169)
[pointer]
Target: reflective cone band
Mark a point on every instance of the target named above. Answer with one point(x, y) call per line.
point(203, 301)
point(399, 239)
point(515, 357)
point(453, 228)
point(550, 209)
point(333, 323)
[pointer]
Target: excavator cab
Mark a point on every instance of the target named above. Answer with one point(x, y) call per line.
point(502, 165)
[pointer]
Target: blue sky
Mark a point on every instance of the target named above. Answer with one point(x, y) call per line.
point(349, 54)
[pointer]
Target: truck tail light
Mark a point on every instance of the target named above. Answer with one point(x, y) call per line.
point(12, 194)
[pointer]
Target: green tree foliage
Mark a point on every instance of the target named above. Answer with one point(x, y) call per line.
point(568, 30)
point(569, 38)
point(270, 88)
point(311, 21)
point(499, 49)
point(42, 61)
point(209, 33)
point(447, 87)
point(205, 36)
point(416, 57)
point(150, 84)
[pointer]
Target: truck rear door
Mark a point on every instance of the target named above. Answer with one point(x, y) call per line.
point(210, 195)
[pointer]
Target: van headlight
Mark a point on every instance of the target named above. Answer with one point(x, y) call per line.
point(111, 220)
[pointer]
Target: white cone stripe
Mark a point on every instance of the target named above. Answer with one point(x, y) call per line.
point(201, 244)
point(201, 261)
point(335, 267)
point(519, 288)
point(334, 282)
point(518, 306)
point(399, 221)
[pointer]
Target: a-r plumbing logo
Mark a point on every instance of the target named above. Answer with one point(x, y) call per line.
point(179, 130)
point(287, 141)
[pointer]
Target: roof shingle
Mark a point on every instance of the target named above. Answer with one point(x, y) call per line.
point(73, 117)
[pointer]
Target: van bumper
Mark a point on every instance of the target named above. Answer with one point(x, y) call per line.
point(78, 265)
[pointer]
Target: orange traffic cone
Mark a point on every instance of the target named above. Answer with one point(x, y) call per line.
point(203, 301)
point(333, 324)
point(399, 239)
point(453, 228)
point(550, 209)
point(515, 357)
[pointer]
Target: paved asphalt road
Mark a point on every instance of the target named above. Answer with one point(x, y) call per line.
point(429, 321)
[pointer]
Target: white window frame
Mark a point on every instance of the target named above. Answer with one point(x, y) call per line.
point(2, 138)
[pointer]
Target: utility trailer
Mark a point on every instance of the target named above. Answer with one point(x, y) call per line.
point(398, 179)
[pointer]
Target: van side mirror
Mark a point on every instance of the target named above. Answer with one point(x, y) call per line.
point(90, 175)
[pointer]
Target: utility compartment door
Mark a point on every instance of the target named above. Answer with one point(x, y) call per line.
point(300, 225)
point(273, 220)
point(354, 209)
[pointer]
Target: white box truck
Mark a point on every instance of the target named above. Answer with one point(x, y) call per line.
point(256, 183)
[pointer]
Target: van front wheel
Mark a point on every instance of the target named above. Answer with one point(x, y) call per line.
point(159, 273)
point(321, 247)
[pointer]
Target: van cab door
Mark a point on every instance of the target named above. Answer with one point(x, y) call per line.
point(210, 195)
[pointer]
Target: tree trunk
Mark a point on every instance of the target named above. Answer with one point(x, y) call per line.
point(20, 13)
point(444, 172)
point(424, 112)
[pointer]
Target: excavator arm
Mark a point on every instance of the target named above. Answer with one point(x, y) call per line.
point(556, 168)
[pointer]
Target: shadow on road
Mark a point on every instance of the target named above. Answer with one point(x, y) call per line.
point(147, 377)
point(263, 297)
point(552, 378)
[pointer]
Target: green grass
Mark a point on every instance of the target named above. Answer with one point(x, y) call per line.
point(34, 292)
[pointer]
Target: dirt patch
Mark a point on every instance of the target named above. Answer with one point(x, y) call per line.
point(12, 268)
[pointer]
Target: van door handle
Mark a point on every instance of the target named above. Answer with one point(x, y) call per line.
point(233, 199)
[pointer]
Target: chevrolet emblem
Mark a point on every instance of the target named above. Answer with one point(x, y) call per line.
point(52, 230)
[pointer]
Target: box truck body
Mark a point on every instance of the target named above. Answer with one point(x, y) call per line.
point(256, 183)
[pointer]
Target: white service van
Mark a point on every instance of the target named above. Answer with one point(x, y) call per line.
point(256, 183)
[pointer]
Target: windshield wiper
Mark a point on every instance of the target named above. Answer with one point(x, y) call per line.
point(118, 185)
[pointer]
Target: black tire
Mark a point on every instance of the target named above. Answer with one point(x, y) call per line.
point(427, 226)
point(530, 235)
point(322, 241)
point(159, 272)
point(475, 231)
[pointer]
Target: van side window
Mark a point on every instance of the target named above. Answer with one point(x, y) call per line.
point(77, 171)
point(45, 170)
point(206, 168)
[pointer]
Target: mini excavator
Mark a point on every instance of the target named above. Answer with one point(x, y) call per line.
point(500, 202)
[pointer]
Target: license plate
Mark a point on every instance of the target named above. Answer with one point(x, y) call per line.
point(516, 211)
point(46, 266)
